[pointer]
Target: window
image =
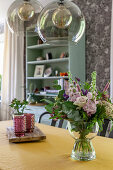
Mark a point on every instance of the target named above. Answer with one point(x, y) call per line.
point(1, 52)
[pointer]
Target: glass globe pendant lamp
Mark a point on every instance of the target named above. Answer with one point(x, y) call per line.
point(22, 11)
point(62, 17)
point(61, 21)
point(26, 11)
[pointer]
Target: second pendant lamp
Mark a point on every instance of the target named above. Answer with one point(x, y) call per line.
point(61, 21)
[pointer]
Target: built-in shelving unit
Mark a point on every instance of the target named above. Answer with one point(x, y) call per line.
point(73, 62)
point(35, 50)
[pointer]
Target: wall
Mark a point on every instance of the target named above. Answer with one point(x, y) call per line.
point(98, 28)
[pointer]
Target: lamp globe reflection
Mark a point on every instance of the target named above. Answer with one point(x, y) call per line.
point(61, 21)
point(20, 11)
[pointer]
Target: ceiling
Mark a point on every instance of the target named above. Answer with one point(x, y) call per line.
point(4, 4)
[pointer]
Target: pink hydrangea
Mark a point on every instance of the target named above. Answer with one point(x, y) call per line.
point(90, 107)
point(73, 93)
point(89, 95)
point(74, 96)
point(80, 101)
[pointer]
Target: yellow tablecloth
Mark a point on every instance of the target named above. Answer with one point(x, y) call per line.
point(51, 154)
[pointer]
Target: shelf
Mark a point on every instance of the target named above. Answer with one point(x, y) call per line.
point(43, 46)
point(46, 78)
point(49, 61)
point(46, 95)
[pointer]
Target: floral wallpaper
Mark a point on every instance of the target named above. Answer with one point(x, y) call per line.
point(98, 29)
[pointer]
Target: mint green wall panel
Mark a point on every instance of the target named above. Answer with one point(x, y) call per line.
point(77, 59)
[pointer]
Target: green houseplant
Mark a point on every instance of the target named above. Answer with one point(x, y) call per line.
point(18, 106)
point(85, 108)
point(19, 118)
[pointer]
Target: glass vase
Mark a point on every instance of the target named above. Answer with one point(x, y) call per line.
point(19, 125)
point(83, 133)
point(30, 122)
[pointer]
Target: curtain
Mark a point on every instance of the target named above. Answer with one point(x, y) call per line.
point(111, 58)
point(13, 72)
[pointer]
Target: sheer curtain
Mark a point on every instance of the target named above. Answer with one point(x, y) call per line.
point(111, 59)
point(13, 71)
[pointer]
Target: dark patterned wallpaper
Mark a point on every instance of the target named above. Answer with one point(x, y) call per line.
point(98, 28)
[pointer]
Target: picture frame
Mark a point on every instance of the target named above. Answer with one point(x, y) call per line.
point(48, 72)
point(39, 70)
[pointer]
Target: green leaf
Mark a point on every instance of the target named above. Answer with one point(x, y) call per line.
point(61, 93)
point(55, 82)
point(86, 86)
point(47, 101)
point(74, 115)
point(57, 87)
point(49, 107)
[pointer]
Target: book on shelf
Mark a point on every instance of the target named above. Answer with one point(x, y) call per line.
point(52, 91)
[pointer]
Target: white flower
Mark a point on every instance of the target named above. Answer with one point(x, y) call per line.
point(89, 95)
point(108, 107)
point(80, 101)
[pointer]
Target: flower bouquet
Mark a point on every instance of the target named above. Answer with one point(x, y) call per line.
point(85, 108)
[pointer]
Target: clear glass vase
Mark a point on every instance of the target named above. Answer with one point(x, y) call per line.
point(83, 133)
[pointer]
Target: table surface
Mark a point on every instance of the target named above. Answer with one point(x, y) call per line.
point(53, 153)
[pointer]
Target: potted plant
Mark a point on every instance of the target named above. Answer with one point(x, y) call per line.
point(19, 118)
point(85, 108)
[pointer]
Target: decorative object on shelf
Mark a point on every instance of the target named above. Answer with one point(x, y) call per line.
point(20, 11)
point(19, 119)
point(61, 21)
point(30, 122)
point(30, 99)
point(48, 72)
point(39, 58)
point(46, 88)
point(39, 70)
point(36, 90)
point(64, 55)
point(39, 41)
point(85, 108)
point(48, 56)
point(56, 72)
point(63, 74)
